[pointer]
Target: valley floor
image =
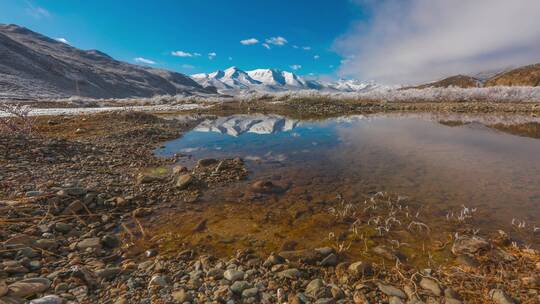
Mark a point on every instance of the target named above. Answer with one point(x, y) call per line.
point(78, 202)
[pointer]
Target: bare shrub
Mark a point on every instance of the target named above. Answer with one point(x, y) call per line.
point(15, 119)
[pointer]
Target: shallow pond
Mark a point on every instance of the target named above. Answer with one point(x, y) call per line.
point(443, 163)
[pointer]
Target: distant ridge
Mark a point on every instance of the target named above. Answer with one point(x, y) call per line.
point(33, 65)
point(234, 80)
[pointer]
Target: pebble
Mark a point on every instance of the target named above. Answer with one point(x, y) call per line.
point(158, 281)
point(93, 243)
point(391, 291)
point(431, 286)
point(500, 297)
point(28, 287)
point(239, 286)
point(233, 275)
point(330, 260)
point(184, 181)
point(3, 288)
point(250, 292)
point(292, 273)
point(312, 289)
point(469, 245)
point(50, 299)
point(181, 296)
point(360, 268)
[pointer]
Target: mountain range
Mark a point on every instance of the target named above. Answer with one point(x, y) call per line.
point(234, 80)
point(33, 65)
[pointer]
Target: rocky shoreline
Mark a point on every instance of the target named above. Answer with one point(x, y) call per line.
point(73, 200)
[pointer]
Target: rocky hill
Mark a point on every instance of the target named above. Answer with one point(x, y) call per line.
point(524, 76)
point(458, 81)
point(33, 65)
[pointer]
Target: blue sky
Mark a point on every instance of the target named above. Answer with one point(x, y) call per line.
point(389, 41)
point(195, 29)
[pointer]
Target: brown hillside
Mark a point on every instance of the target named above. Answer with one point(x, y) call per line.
point(459, 81)
point(523, 76)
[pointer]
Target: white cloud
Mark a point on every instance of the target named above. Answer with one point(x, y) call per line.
point(276, 40)
point(316, 57)
point(184, 54)
point(266, 46)
point(411, 41)
point(296, 67)
point(295, 46)
point(144, 60)
point(212, 55)
point(187, 66)
point(306, 48)
point(249, 41)
point(230, 58)
point(63, 40)
point(37, 12)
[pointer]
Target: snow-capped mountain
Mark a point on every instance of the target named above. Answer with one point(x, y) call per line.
point(234, 80)
point(237, 125)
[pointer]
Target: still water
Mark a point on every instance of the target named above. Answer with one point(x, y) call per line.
point(443, 163)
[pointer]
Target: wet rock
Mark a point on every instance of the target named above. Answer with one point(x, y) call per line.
point(469, 245)
point(50, 299)
point(265, 187)
point(431, 286)
point(239, 286)
point(360, 268)
point(184, 181)
point(28, 287)
point(92, 243)
point(292, 273)
point(181, 296)
point(205, 162)
point(500, 297)
point(330, 260)
point(233, 275)
point(391, 291)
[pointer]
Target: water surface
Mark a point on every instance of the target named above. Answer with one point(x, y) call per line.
point(489, 163)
